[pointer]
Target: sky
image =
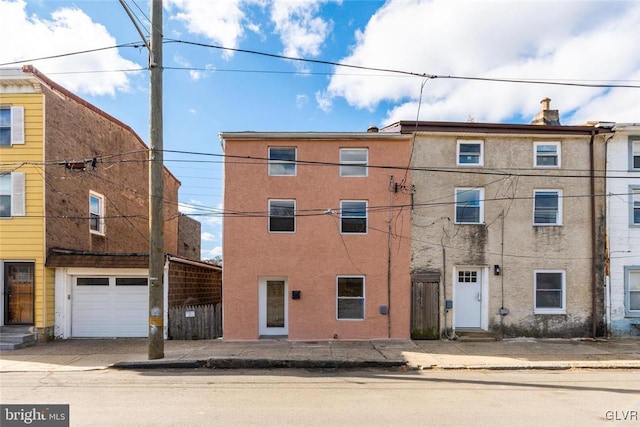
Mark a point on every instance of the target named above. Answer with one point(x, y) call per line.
point(271, 65)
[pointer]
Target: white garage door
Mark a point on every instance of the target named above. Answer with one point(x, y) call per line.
point(110, 307)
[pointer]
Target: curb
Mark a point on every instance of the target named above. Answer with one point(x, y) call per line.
point(234, 363)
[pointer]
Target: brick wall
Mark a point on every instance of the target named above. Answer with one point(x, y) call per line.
point(193, 285)
point(188, 237)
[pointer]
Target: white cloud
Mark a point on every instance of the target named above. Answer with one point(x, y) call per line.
point(211, 253)
point(57, 36)
point(208, 237)
point(525, 40)
point(219, 21)
point(324, 101)
point(301, 101)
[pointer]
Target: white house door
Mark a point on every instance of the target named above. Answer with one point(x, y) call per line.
point(273, 306)
point(468, 298)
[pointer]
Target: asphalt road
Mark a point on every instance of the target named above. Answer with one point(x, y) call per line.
point(204, 397)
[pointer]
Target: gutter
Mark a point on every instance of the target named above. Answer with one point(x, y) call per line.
point(594, 299)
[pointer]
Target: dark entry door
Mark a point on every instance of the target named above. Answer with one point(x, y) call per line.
point(425, 315)
point(19, 286)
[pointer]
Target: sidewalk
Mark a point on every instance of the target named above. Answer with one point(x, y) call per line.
point(508, 354)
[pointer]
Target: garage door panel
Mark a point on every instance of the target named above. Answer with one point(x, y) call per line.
point(109, 311)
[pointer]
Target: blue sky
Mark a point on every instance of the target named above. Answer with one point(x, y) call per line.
point(211, 90)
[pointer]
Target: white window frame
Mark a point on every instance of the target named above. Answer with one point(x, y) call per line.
point(281, 216)
point(628, 270)
point(101, 213)
point(550, 310)
point(363, 298)
point(343, 216)
point(354, 165)
point(480, 191)
point(16, 125)
point(278, 162)
point(634, 152)
point(460, 153)
point(634, 205)
point(16, 193)
point(558, 154)
point(559, 211)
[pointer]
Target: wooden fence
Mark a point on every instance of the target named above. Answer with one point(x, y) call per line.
point(195, 322)
point(424, 311)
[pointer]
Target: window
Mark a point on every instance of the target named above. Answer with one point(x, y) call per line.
point(12, 200)
point(353, 161)
point(634, 205)
point(11, 126)
point(632, 291)
point(353, 216)
point(470, 153)
point(92, 281)
point(282, 216)
point(350, 301)
point(132, 281)
point(282, 161)
point(96, 213)
point(634, 153)
point(547, 207)
point(547, 155)
point(549, 292)
point(469, 205)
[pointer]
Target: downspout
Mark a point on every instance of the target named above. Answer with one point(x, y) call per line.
point(594, 299)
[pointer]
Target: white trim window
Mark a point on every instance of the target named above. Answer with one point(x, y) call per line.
point(96, 213)
point(470, 153)
point(634, 205)
point(350, 300)
point(632, 291)
point(634, 153)
point(549, 292)
point(11, 126)
point(547, 207)
point(354, 162)
point(12, 194)
point(353, 216)
point(282, 216)
point(469, 205)
point(282, 161)
point(547, 155)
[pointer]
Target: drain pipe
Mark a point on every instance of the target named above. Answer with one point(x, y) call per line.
point(594, 298)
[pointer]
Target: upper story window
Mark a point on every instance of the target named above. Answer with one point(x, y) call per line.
point(546, 155)
point(354, 161)
point(634, 214)
point(11, 126)
point(353, 216)
point(282, 217)
point(547, 207)
point(12, 194)
point(634, 153)
point(470, 153)
point(96, 213)
point(469, 205)
point(282, 161)
point(550, 292)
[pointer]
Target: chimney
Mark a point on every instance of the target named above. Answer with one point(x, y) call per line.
point(373, 129)
point(546, 116)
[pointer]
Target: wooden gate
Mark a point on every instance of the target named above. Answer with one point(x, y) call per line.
point(425, 318)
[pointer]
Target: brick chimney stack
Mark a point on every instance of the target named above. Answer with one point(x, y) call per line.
point(546, 116)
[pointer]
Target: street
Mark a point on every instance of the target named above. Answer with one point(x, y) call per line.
point(205, 397)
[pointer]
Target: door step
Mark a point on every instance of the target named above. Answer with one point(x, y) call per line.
point(14, 337)
point(474, 335)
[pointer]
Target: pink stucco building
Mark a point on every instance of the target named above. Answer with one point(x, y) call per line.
point(316, 235)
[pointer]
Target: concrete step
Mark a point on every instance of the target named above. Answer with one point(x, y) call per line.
point(473, 335)
point(13, 337)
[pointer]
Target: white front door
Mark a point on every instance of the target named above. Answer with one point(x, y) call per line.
point(273, 306)
point(468, 298)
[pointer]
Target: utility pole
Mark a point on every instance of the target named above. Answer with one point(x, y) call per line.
point(156, 190)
